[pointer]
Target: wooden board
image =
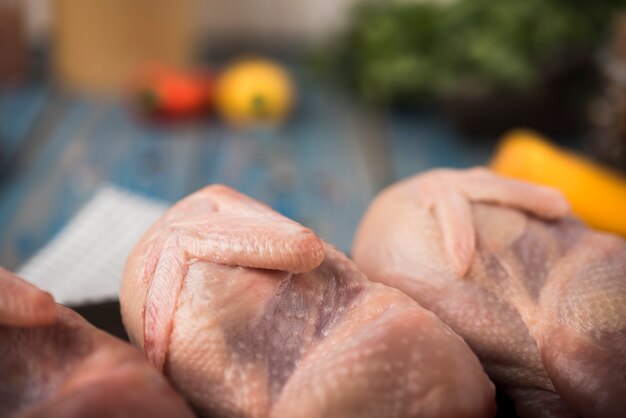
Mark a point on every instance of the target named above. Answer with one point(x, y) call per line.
point(322, 168)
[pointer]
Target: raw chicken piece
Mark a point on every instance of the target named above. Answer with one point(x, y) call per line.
point(61, 366)
point(542, 303)
point(22, 304)
point(252, 315)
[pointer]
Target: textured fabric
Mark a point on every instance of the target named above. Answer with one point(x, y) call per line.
point(85, 261)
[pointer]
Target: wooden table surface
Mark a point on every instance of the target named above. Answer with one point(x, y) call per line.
point(321, 169)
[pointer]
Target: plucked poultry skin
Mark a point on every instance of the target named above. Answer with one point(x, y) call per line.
point(55, 364)
point(542, 303)
point(250, 314)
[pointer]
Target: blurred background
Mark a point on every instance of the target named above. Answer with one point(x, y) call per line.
point(310, 106)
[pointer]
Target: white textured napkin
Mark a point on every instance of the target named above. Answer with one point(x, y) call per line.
point(85, 261)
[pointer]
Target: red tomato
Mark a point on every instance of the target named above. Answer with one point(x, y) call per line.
point(173, 93)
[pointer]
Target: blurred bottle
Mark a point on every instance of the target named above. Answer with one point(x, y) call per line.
point(13, 47)
point(98, 43)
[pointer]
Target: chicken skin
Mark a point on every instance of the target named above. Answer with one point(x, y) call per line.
point(55, 364)
point(251, 315)
point(539, 297)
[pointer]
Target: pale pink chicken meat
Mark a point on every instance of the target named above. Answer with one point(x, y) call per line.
point(250, 314)
point(55, 364)
point(538, 296)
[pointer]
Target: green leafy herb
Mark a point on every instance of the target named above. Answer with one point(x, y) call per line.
point(396, 51)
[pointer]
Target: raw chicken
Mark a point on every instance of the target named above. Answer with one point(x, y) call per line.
point(542, 303)
point(252, 315)
point(54, 364)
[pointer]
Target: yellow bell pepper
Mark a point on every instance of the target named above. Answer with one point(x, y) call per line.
point(254, 91)
point(597, 194)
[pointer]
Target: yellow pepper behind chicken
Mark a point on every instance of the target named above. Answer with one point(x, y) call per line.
point(597, 194)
